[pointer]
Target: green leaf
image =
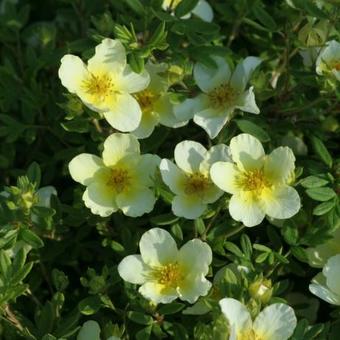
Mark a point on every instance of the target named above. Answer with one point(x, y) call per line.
point(262, 257)
point(90, 305)
point(321, 194)
point(136, 6)
point(77, 125)
point(136, 62)
point(164, 219)
point(264, 17)
point(140, 318)
point(253, 129)
point(34, 174)
point(323, 208)
point(171, 308)
point(261, 247)
point(321, 150)
point(144, 334)
point(31, 238)
point(200, 226)
point(233, 248)
point(313, 182)
point(184, 7)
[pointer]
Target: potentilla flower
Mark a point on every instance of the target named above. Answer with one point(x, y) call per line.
point(328, 62)
point(122, 179)
point(223, 92)
point(326, 285)
point(156, 103)
point(318, 256)
point(275, 322)
point(165, 272)
point(259, 183)
point(203, 10)
point(190, 180)
point(105, 84)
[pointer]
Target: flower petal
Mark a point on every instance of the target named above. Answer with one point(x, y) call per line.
point(125, 113)
point(243, 72)
point(319, 288)
point(44, 196)
point(83, 167)
point(165, 111)
point(332, 273)
point(136, 201)
point(100, 198)
point(245, 208)
point(132, 269)
point(146, 169)
point(212, 121)
point(109, 55)
point(189, 107)
point(246, 102)
point(219, 152)
point(193, 287)
point(172, 176)
point(208, 78)
point(189, 155)
point(275, 322)
point(158, 247)
point(281, 202)
point(237, 314)
point(224, 175)
point(204, 11)
point(247, 151)
point(72, 72)
point(118, 146)
point(195, 257)
point(158, 293)
point(146, 126)
point(279, 165)
point(89, 331)
point(189, 207)
point(132, 82)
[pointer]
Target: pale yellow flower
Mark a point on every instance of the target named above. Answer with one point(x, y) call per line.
point(326, 285)
point(259, 183)
point(189, 178)
point(275, 322)
point(156, 103)
point(105, 84)
point(121, 180)
point(328, 61)
point(165, 272)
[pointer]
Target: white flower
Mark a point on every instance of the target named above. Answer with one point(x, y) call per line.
point(105, 84)
point(223, 92)
point(203, 10)
point(121, 180)
point(91, 331)
point(309, 55)
point(318, 256)
point(156, 103)
point(258, 182)
point(275, 322)
point(190, 180)
point(326, 285)
point(165, 272)
point(328, 61)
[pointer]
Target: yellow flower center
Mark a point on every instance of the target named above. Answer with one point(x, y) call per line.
point(335, 65)
point(223, 95)
point(254, 180)
point(249, 335)
point(100, 86)
point(196, 183)
point(119, 179)
point(169, 275)
point(171, 3)
point(146, 100)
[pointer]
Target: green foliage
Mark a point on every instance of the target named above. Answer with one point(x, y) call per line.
point(58, 262)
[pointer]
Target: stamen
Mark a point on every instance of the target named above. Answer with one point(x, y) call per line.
point(98, 85)
point(119, 179)
point(222, 95)
point(146, 100)
point(196, 183)
point(254, 180)
point(169, 275)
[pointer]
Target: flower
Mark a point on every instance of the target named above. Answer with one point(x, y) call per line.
point(121, 180)
point(105, 84)
point(156, 104)
point(258, 182)
point(203, 10)
point(328, 61)
point(91, 331)
point(326, 285)
point(318, 256)
point(190, 180)
point(165, 272)
point(275, 322)
point(223, 92)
